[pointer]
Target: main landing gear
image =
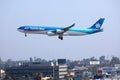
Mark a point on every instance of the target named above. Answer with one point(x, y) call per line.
point(60, 37)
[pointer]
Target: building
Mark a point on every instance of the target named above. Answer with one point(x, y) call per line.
point(2, 73)
point(110, 70)
point(118, 68)
point(46, 69)
point(56, 70)
point(62, 66)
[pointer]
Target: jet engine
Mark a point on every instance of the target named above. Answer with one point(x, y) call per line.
point(49, 33)
point(58, 31)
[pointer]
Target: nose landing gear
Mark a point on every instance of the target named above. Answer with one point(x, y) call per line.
point(25, 35)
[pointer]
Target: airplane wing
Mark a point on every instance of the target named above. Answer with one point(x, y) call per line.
point(67, 28)
point(61, 31)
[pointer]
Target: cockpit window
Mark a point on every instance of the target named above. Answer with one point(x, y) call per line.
point(27, 27)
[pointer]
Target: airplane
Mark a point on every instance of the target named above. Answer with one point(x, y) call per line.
point(60, 31)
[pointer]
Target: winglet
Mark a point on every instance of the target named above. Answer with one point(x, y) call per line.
point(72, 25)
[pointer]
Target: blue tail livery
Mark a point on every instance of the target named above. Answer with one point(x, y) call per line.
point(98, 24)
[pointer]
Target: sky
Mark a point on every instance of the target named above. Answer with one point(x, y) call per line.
point(62, 13)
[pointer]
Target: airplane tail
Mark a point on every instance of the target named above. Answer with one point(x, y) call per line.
point(98, 24)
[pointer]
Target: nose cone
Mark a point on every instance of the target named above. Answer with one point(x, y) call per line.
point(21, 29)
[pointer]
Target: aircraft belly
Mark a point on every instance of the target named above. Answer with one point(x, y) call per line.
point(71, 33)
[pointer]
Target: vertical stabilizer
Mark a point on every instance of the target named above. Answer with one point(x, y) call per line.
point(98, 24)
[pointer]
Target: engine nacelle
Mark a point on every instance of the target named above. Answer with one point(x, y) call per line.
point(49, 33)
point(58, 31)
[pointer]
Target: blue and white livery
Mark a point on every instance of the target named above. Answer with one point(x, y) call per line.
point(60, 31)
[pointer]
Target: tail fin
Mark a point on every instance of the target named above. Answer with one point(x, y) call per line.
point(98, 24)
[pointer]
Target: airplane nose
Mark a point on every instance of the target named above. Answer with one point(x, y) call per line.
point(20, 28)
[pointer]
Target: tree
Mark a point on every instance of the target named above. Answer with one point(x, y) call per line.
point(7, 78)
point(114, 60)
point(38, 76)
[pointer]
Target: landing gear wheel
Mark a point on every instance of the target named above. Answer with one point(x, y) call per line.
point(60, 37)
point(25, 35)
